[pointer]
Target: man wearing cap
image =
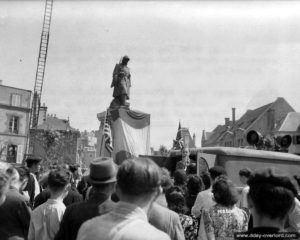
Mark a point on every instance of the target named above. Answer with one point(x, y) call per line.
point(102, 177)
point(33, 186)
point(138, 185)
point(270, 198)
point(121, 81)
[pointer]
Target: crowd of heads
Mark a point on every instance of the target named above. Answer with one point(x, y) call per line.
point(141, 181)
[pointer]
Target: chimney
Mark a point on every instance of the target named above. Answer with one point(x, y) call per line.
point(203, 136)
point(233, 116)
point(227, 122)
point(1, 81)
point(194, 139)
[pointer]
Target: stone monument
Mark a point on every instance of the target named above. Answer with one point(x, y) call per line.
point(123, 132)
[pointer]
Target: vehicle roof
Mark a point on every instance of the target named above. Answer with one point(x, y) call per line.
point(242, 152)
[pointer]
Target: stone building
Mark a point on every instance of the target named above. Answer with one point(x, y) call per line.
point(87, 147)
point(14, 122)
point(265, 119)
point(184, 138)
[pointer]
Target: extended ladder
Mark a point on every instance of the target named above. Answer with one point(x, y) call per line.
point(40, 72)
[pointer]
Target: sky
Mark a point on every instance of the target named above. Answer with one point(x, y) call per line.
point(190, 61)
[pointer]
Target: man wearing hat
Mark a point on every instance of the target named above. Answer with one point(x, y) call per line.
point(33, 187)
point(270, 198)
point(138, 185)
point(102, 177)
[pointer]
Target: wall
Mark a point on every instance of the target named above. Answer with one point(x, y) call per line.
point(7, 110)
point(5, 96)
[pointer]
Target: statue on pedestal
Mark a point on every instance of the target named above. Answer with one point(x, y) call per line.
point(121, 83)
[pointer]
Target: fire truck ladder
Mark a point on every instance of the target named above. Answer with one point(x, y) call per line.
point(40, 72)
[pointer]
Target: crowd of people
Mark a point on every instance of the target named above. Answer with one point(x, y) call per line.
point(139, 200)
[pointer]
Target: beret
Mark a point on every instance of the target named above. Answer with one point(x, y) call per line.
point(273, 176)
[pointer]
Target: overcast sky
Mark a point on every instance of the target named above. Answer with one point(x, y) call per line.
point(190, 61)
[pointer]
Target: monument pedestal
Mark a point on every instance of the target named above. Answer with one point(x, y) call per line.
point(130, 132)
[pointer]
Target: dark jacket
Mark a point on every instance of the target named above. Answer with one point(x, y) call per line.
point(78, 213)
point(30, 187)
point(72, 197)
point(14, 215)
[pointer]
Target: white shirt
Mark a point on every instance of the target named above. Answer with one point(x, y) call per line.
point(204, 200)
point(125, 222)
point(243, 202)
point(36, 185)
point(45, 220)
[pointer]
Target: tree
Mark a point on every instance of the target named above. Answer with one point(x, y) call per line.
point(56, 146)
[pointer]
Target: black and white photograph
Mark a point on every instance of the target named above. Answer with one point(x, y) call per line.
point(149, 119)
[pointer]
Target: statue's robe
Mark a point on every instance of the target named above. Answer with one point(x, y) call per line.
point(121, 81)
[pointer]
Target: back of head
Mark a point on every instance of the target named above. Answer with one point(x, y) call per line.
point(206, 180)
point(175, 200)
point(180, 177)
point(58, 179)
point(138, 176)
point(194, 184)
point(272, 192)
point(180, 165)
point(166, 181)
point(224, 191)
point(216, 171)
point(191, 169)
point(245, 172)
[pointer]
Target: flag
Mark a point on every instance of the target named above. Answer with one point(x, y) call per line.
point(107, 137)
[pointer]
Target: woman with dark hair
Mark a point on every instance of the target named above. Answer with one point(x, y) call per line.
point(176, 202)
point(180, 179)
point(206, 180)
point(224, 219)
point(194, 186)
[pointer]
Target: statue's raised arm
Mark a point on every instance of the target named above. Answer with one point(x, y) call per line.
point(121, 83)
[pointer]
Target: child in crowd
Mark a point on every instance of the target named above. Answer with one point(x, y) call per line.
point(46, 218)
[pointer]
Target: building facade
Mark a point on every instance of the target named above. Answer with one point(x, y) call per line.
point(265, 120)
point(184, 138)
point(14, 122)
point(87, 147)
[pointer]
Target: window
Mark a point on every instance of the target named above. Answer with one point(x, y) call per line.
point(12, 153)
point(15, 100)
point(14, 124)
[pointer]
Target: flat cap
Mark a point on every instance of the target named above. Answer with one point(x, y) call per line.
point(275, 177)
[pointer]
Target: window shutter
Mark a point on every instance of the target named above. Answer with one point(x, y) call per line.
point(2, 153)
point(19, 153)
